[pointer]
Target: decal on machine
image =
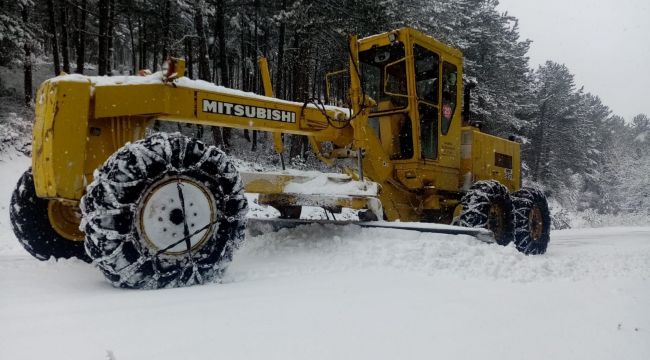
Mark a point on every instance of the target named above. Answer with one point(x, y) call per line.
point(248, 111)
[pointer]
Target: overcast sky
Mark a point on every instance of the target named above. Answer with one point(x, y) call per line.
point(605, 44)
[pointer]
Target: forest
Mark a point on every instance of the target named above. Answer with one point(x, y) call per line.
point(584, 156)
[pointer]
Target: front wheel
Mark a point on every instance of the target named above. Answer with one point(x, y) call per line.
point(166, 211)
point(532, 221)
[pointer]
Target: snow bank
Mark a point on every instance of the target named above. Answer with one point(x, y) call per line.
point(622, 252)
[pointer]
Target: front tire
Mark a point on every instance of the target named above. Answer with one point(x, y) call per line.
point(532, 221)
point(166, 211)
point(487, 205)
point(32, 225)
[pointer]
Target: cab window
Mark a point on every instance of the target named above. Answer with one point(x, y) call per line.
point(427, 75)
point(449, 91)
point(372, 64)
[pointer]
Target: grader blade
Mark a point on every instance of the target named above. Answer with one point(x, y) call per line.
point(258, 226)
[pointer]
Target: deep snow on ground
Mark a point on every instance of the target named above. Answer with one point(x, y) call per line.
point(342, 293)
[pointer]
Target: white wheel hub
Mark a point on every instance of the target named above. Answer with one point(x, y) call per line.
point(177, 208)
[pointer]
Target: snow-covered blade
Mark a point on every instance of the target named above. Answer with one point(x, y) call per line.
point(307, 183)
point(313, 188)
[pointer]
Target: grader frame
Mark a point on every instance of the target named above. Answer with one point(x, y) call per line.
point(79, 124)
point(163, 210)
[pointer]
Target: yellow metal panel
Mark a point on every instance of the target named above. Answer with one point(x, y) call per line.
point(105, 136)
point(60, 138)
point(45, 103)
point(125, 100)
point(263, 65)
point(485, 150)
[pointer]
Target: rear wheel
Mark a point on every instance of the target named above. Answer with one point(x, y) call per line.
point(165, 211)
point(45, 228)
point(532, 221)
point(487, 205)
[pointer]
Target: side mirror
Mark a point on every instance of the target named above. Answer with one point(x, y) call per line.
point(395, 83)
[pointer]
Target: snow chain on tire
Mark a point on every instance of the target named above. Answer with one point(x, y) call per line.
point(31, 224)
point(154, 191)
point(532, 221)
point(487, 205)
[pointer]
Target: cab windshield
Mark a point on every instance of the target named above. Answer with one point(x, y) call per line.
point(372, 63)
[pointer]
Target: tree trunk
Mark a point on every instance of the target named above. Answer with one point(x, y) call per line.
point(242, 65)
point(299, 91)
point(65, 49)
point(81, 39)
point(189, 59)
point(279, 76)
point(102, 51)
point(27, 61)
point(55, 45)
point(109, 36)
point(165, 39)
point(221, 38)
point(155, 52)
point(256, 72)
point(142, 51)
point(221, 136)
point(204, 62)
point(133, 49)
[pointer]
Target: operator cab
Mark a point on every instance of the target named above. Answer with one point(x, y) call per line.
point(415, 81)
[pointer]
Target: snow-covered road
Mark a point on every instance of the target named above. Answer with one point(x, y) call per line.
point(343, 293)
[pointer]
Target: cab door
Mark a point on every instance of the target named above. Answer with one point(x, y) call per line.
point(427, 89)
point(438, 113)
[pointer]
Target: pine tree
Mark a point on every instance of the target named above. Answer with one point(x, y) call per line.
point(554, 151)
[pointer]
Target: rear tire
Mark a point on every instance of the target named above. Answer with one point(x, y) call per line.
point(532, 221)
point(31, 224)
point(487, 205)
point(166, 211)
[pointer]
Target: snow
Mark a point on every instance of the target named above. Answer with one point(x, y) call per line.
point(315, 183)
point(157, 78)
point(325, 184)
point(324, 292)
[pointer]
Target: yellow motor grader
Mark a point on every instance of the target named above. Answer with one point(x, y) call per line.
point(167, 210)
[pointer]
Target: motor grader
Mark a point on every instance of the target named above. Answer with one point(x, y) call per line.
point(164, 210)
